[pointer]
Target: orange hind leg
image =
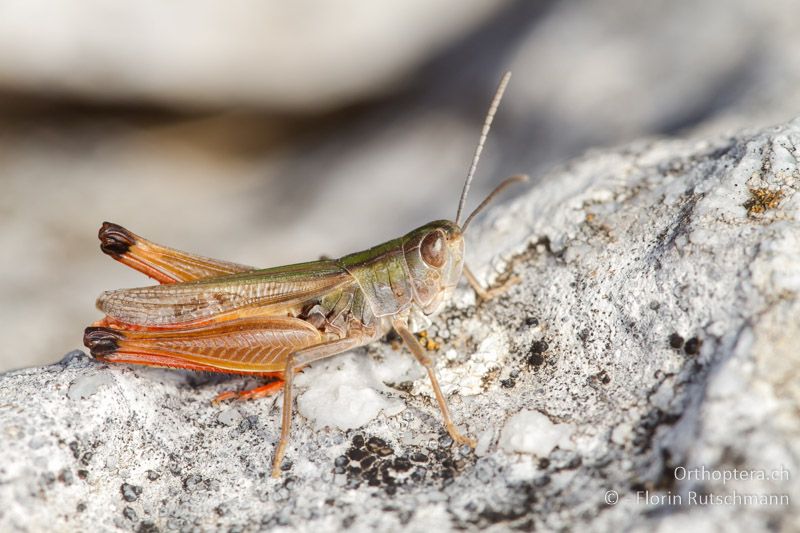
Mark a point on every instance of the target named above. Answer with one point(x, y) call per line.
point(108, 345)
point(163, 264)
point(250, 394)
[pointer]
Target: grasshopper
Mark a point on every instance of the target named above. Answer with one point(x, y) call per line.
point(216, 316)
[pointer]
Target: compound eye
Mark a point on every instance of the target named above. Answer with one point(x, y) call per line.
point(432, 249)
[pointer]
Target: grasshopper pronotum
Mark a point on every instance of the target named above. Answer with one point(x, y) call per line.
point(216, 316)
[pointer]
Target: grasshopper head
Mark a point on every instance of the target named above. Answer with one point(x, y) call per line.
point(434, 254)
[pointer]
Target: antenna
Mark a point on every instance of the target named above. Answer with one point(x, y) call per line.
point(487, 124)
point(497, 190)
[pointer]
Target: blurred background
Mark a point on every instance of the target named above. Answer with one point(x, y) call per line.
point(275, 132)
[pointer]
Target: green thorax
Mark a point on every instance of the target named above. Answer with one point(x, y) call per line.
point(382, 274)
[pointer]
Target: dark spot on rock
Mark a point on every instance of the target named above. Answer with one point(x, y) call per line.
point(379, 447)
point(692, 346)
point(81, 507)
point(603, 377)
point(419, 458)
point(544, 462)
point(341, 461)
point(83, 474)
point(130, 493)
point(66, 477)
point(129, 513)
point(403, 386)
point(73, 446)
point(535, 360)
point(358, 441)
point(676, 341)
point(539, 347)
point(356, 454)
point(152, 475)
point(402, 464)
point(647, 427)
point(87, 458)
point(147, 527)
point(419, 474)
point(381, 468)
point(667, 479)
point(222, 509)
point(531, 321)
point(193, 482)
point(507, 383)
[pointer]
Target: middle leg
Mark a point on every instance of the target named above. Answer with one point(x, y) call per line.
point(293, 363)
point(415, 347)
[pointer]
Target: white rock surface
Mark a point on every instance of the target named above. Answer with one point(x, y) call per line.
point(344, 393)
point(656, 316)
point(534, 433)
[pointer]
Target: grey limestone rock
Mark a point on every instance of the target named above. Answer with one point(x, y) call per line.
point(641, 373)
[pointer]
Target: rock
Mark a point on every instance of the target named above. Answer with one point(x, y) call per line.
point(532, 432)
point(654, 316)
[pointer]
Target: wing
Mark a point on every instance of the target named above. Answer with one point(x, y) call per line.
point(272, 291)
point(252, 345)
point(165, 265)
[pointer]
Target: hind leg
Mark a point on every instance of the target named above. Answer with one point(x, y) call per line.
point(163, 264)
point(250, 394)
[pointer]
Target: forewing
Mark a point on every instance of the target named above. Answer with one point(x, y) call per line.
point(165, 265)
point(269, 291)
point(250, 345)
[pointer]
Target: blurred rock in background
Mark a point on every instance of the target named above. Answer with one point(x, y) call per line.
point(272, 133)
